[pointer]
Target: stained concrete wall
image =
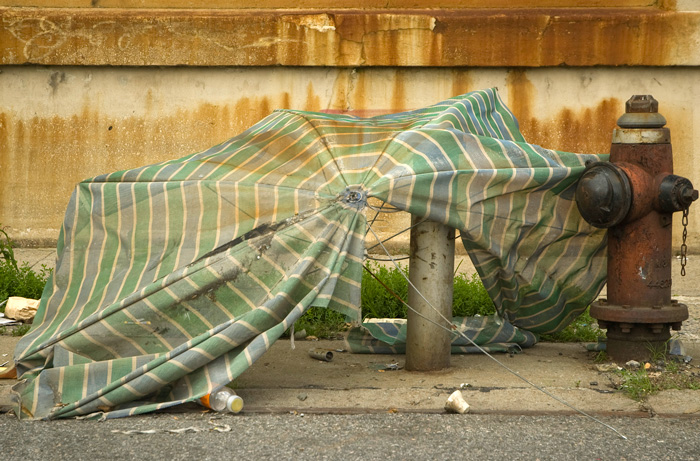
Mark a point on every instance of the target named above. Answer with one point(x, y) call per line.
point(71, 110)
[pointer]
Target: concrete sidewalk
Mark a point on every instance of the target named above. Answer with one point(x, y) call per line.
point(286, 379)
point(290, 380)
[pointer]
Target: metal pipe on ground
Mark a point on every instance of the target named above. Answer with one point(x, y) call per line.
point(431, 271)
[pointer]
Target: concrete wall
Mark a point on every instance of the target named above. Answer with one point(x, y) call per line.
point(84, 92)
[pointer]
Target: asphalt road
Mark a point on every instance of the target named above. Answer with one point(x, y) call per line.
point(349, 437)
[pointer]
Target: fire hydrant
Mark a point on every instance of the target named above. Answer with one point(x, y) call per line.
point(634, 195)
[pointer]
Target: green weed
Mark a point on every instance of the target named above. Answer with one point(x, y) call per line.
point(636, 384)
point(21, 330)
point(668, 374)
point(470, 297)
point(583, 329)
point(321, 322)
point(384, 299)
point(672, 366)
point(15, 279)
point(657, 352)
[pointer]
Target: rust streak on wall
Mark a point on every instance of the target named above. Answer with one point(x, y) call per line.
point(323, 4)
point(461, 82)
point(58, 152)
point(521, 93)
point(572, 129)
point(576, 130)
point(474, 37)
point(398, 97)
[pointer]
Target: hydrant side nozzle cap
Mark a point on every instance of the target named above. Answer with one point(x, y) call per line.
point(675, 194)
point(603, 195)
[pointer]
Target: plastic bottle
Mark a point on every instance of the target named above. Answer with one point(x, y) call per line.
point(224, 400)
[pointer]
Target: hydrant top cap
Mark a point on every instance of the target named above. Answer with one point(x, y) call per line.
point(641, 112)
point(641, 103)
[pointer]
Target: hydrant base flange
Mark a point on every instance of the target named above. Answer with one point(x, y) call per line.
point(638, 333)
point(671, 314)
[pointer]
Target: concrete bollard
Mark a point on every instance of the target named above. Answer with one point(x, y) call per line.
point(431, 271)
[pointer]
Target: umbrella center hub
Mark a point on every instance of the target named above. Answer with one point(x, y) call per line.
point(354, 196)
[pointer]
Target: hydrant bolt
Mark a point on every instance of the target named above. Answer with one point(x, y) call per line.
point(689, 195)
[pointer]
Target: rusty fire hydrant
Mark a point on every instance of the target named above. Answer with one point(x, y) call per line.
point(635, 195)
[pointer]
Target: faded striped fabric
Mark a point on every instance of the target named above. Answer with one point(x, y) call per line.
point(491, 333)
point(174, 278)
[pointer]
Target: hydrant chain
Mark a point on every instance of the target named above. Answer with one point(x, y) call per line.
point(684, 247)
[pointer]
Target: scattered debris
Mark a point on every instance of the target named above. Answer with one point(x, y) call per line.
point(5, 322)
point(605, 367)
point(300, 334)
point(223, 400)
point(302, 396)
point(321, 354)
point(675, 347)
point(464, 385)
point(633, 364)
point(381, 367)
point(184, 430)
point(456, 403)
point(8, 372)
point(22, 309)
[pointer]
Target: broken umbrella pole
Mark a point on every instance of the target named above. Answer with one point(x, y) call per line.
point(634, 195)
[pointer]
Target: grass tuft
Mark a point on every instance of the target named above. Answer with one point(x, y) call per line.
point(21, 330)
point(583, 329)
point(321, 322)
point(636, 384)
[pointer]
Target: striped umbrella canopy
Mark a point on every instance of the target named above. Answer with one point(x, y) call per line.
point(174, 278)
